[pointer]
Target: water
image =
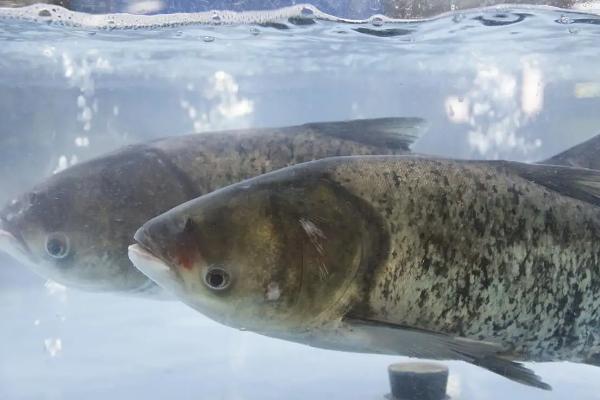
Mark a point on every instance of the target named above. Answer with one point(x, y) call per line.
point(518, 83)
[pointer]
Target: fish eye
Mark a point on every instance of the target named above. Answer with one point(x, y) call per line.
point(217, 278)
point(57, 245)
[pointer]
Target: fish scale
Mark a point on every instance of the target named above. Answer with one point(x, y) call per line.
point(232, 158)
point(470, 248)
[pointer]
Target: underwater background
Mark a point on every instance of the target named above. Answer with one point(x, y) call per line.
point(514, 82)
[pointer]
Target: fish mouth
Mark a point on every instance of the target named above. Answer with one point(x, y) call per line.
point(149, 249)
point(153, 267)
point(14, 246)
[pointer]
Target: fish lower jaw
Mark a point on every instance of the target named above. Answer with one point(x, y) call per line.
point(153, 267)
point(10, 245)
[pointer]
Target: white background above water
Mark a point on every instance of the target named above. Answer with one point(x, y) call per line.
point(523, 91)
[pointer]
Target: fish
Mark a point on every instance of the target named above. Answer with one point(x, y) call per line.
point(490, 262)
point(75, 226)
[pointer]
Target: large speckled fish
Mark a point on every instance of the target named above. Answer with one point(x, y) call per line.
point(75, 227)
point(490, 262)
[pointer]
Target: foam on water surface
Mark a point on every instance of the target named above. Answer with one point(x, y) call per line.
point(301, 14)
point(62, 16)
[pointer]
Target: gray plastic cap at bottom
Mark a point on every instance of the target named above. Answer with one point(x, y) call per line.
point(418, 381)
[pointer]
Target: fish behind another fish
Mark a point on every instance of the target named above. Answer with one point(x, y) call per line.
point(75, 227)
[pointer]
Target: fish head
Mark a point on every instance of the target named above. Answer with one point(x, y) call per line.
point(265, 256)
point(75, 227)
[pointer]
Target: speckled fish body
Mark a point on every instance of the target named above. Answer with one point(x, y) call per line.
point(75, 227)
point(494, 251)
point(486, 262)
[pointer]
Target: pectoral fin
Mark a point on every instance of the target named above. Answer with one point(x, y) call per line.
point(391, 338)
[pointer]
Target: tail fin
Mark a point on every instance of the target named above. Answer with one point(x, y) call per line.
point(584, 155)
point(392, 133)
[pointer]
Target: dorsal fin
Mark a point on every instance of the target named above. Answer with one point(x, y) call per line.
point(584, 155)
point(392, 133)
point(579, 183)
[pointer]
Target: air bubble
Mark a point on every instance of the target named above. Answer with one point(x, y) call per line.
point(457, 18)
point(255, 31)
point(86, 114)
point(564, 20)
point(216, 19)
point(573, 31)
point(208, 39)
point(82, 141)
point(306, 11)
point(45, 13)
point(53, 346)
point(377, 21)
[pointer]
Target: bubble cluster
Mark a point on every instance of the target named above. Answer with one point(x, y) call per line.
point(62, 16)
point(218, 102)
point(497, 106)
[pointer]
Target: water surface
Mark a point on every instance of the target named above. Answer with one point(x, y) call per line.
point(519, 83)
